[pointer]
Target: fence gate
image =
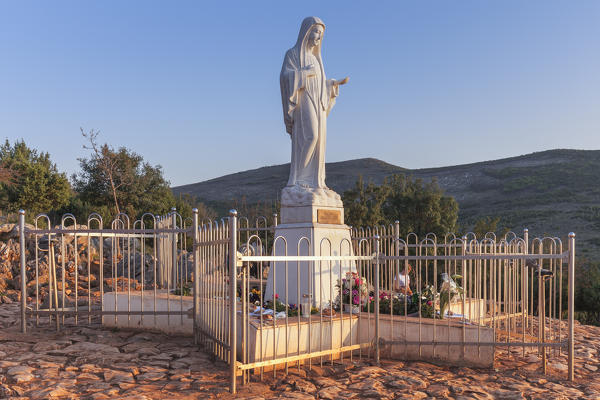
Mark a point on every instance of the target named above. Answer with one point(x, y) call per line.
point(215, 302)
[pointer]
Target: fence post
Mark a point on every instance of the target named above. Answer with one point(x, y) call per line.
point(157, 248)
point(571, 304)
point(465, 282)
point(173, 273)
point(525, 284)
point(23, 271)
point(232, 298)
point(275, 219)
point(196, 252)
point(397, 246)
point(377, 298)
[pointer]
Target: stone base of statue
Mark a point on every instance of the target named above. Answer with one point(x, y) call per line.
point(312, 223)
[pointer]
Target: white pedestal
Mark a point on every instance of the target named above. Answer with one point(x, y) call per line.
point(309, 281)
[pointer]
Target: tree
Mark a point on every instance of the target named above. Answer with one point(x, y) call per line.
point(6, 174)
point(587, 291)
point(30, 180)
point(113, 181)
point(363, 205)
point(418, 206)
point(488, 224)
point(254, 211)
point(110, 168)
point(184, 203)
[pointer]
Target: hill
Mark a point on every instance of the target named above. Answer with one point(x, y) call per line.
point(550, 192)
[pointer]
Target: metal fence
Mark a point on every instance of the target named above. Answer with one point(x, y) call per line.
point(506, 293)
point(122, 274)
point(521, 289)
point(377, 295)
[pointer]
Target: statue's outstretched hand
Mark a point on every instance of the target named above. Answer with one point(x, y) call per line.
point(342, 82)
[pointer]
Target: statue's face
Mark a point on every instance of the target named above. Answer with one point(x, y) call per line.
point(315, 36)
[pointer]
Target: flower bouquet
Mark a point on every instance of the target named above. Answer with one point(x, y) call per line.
point(396, 303)
point(425, 301)
point(254, 296)
point(292, 309)
point(352, 291)
point(279, 306)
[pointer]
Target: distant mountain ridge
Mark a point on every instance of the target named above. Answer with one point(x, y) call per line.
point(553, 191)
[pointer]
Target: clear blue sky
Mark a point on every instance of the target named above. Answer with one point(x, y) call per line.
point(194, 86)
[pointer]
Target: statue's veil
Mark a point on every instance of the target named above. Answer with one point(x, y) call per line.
point(300, 47)
point(299, 57)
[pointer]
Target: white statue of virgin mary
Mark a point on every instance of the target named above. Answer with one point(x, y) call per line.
point(307, 98)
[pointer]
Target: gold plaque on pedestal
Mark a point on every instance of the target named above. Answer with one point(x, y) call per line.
point(325, 216)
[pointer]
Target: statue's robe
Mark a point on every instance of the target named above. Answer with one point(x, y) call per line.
point(306, 104)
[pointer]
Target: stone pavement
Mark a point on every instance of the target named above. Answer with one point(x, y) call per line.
point(95, 363)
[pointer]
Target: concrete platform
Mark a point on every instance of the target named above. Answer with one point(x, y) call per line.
point(411, 339)
point(399, 337)
point(171, 324)
point(405, 338)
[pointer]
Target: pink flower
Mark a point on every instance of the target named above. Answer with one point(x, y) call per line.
point(276, 296)
point(355, 300)
point(429, 303)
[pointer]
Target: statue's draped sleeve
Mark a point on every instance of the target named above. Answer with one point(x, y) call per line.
point(332, 91)
point(292, 80)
